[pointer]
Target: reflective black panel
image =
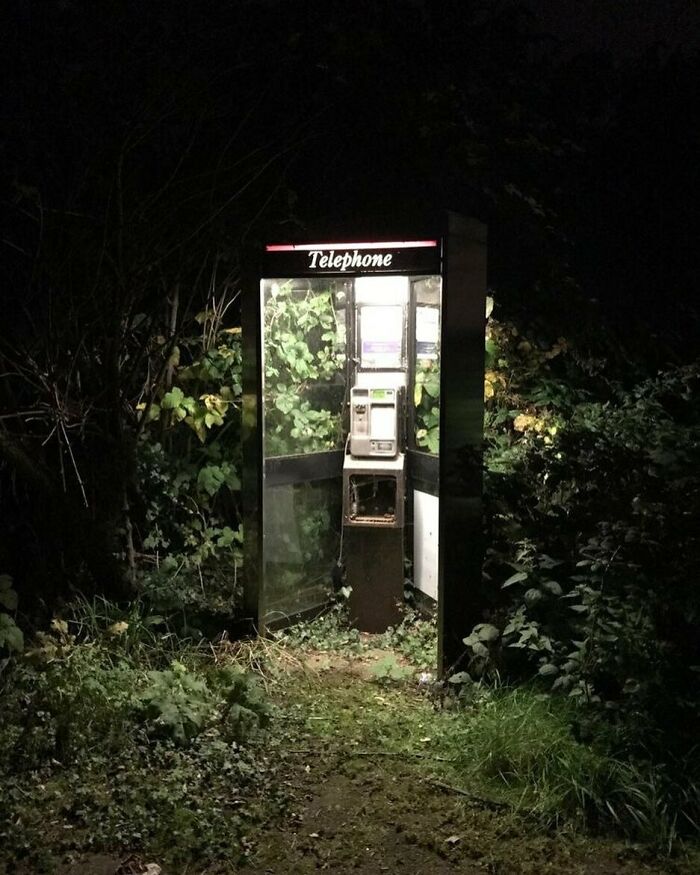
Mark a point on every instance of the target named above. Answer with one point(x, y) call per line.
point(301, 543)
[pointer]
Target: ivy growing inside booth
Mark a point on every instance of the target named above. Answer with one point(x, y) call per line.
point(304, 356)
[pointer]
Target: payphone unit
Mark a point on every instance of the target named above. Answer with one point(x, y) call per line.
point(374, 426)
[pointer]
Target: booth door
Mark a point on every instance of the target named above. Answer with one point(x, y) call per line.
point(304, 393)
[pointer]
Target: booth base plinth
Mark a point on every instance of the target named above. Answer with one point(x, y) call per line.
point(375, 572)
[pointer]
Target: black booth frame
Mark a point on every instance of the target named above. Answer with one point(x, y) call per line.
point(455, 474)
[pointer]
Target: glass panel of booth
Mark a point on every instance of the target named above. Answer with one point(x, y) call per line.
point(301, 536)
point(304, 364)
point(426, 351)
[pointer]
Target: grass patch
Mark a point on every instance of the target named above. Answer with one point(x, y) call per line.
point(521, 745)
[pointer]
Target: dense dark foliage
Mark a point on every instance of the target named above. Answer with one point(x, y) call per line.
point(593, 498)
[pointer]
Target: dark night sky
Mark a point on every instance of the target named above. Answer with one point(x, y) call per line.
point(624, 27)
point(628, 194)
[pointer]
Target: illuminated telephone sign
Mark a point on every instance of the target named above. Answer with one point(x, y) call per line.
point(314, 259)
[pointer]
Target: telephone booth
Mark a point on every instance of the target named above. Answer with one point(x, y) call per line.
point(362, 427)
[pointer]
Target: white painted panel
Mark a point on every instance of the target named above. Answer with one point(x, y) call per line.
point(425, 542)
point(380, 379)
point(381, 290)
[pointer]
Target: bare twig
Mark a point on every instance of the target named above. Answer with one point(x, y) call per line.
point(399, 753)
point(174, 305)
point(482, 801)
point(75, 464)
point(129, 530)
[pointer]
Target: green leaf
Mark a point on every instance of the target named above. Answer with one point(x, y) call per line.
point(432, 385)
point(552, 587)
point(515, 578)
point(284, 403)
point(172, 399)
point(480, 649)
point(226, 537)
point(210, 479)
point(8, 596)
point(434, 440)
point(11, 635)
point(196, 423)
point(487, 632)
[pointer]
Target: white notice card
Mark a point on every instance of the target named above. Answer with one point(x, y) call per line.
point(427, 332)
point(382, 333)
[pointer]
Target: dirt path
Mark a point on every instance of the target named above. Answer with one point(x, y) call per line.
point(368, 793)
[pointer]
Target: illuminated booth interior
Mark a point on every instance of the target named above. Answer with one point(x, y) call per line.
point(363, 394)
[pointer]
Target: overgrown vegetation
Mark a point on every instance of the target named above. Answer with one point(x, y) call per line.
point(592, 491)
point(188, 469)
point(426, 398)
point(514, 750)
point(414, 638)
point(117, 734)
point(130, 202)
point(549, 757)
point(305, 389)
point(592, 495)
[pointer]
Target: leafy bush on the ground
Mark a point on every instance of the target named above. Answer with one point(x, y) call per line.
point(415, 637)
point(134, 738)
point(329, 631)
